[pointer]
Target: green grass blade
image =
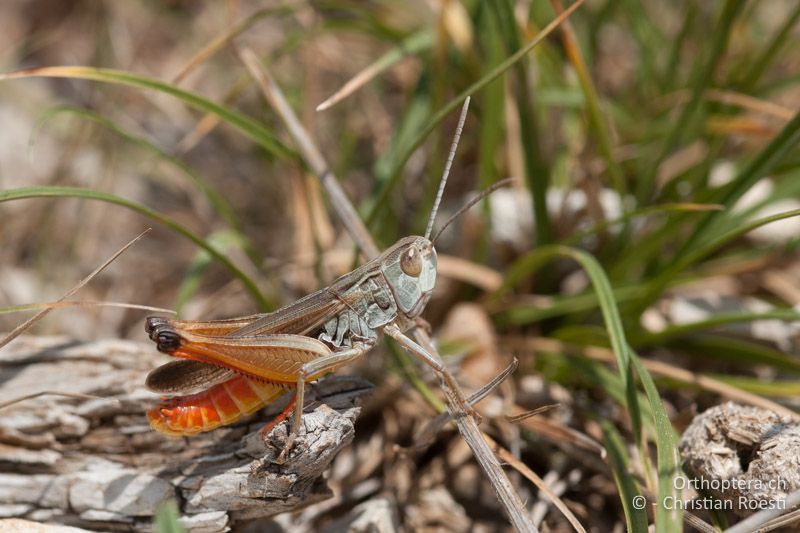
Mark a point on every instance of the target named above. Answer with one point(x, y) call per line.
point(706, 347)
point(596, 119)
point(579, 372)
point(669, 517)
point(492, 105)
point(524, 314)
point(692, 113)
point(762, 164)
point(166, 519)
point(635, 517)
point(608, 305)
point(406, 366)
point(751, 77)
point(214, 198)
point(687, 25)
point(650, 39)
point(219, 240)
point(452, 105)
point(656, 286)
point(616, 334)
point(537, 171)
point(253, 129)
point(776, 389)
point(415, 114)
point(640, 212)
point(718, 319)
point(89, 194)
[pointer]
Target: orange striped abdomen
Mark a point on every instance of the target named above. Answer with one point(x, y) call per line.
point(220, 405)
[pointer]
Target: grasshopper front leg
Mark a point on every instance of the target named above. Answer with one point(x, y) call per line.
point(437, 366)
point(311, 371)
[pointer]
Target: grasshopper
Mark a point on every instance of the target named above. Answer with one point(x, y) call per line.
point(241, 364)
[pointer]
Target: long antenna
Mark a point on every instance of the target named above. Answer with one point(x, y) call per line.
point(450, 157)
point(483, 194)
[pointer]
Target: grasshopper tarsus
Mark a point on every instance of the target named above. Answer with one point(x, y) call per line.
point(293, 431)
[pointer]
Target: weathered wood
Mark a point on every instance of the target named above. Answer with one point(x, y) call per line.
point(97, 464)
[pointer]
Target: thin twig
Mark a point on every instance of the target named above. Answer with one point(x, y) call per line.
point(411, 45)
point(516, 419)
point(475, 439)
point(531, 476)
point(222, 39)
point(41, 314)
point(82, 303)
point(755, 521)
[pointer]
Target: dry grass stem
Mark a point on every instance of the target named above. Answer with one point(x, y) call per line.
point(41, 314)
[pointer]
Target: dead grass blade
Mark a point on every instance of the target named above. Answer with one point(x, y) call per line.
point(516, 419)
point(408, 47)
point(224, 38)
point(210, 121)
point(311, 154)
point(556, 433)
point(82, 303)
point(41, 314)
point(755, 521)
point(76, 395)
point(657, 367)
point(531, 476)
point(750, 103)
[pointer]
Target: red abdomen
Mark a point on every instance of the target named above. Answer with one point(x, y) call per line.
point(220, 405)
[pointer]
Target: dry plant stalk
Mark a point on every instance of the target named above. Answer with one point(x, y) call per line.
point(456, 402)
point(41, 314)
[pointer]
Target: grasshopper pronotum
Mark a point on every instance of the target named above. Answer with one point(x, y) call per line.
point(242, 364)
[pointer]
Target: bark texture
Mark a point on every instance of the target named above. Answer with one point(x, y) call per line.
point(96, 464)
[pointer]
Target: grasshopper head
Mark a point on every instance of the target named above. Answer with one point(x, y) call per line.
point(410, 268)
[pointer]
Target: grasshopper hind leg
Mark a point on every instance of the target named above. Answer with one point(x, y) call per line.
point(309, 372)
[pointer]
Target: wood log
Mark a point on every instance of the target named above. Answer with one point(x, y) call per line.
point(96, 464)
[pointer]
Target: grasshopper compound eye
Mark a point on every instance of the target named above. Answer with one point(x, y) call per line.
point(411, 262)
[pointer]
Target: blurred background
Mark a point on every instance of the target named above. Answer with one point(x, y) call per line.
point(653, 137)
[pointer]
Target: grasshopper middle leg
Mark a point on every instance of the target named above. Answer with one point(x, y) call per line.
point(320, 366)
point(437, 366)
